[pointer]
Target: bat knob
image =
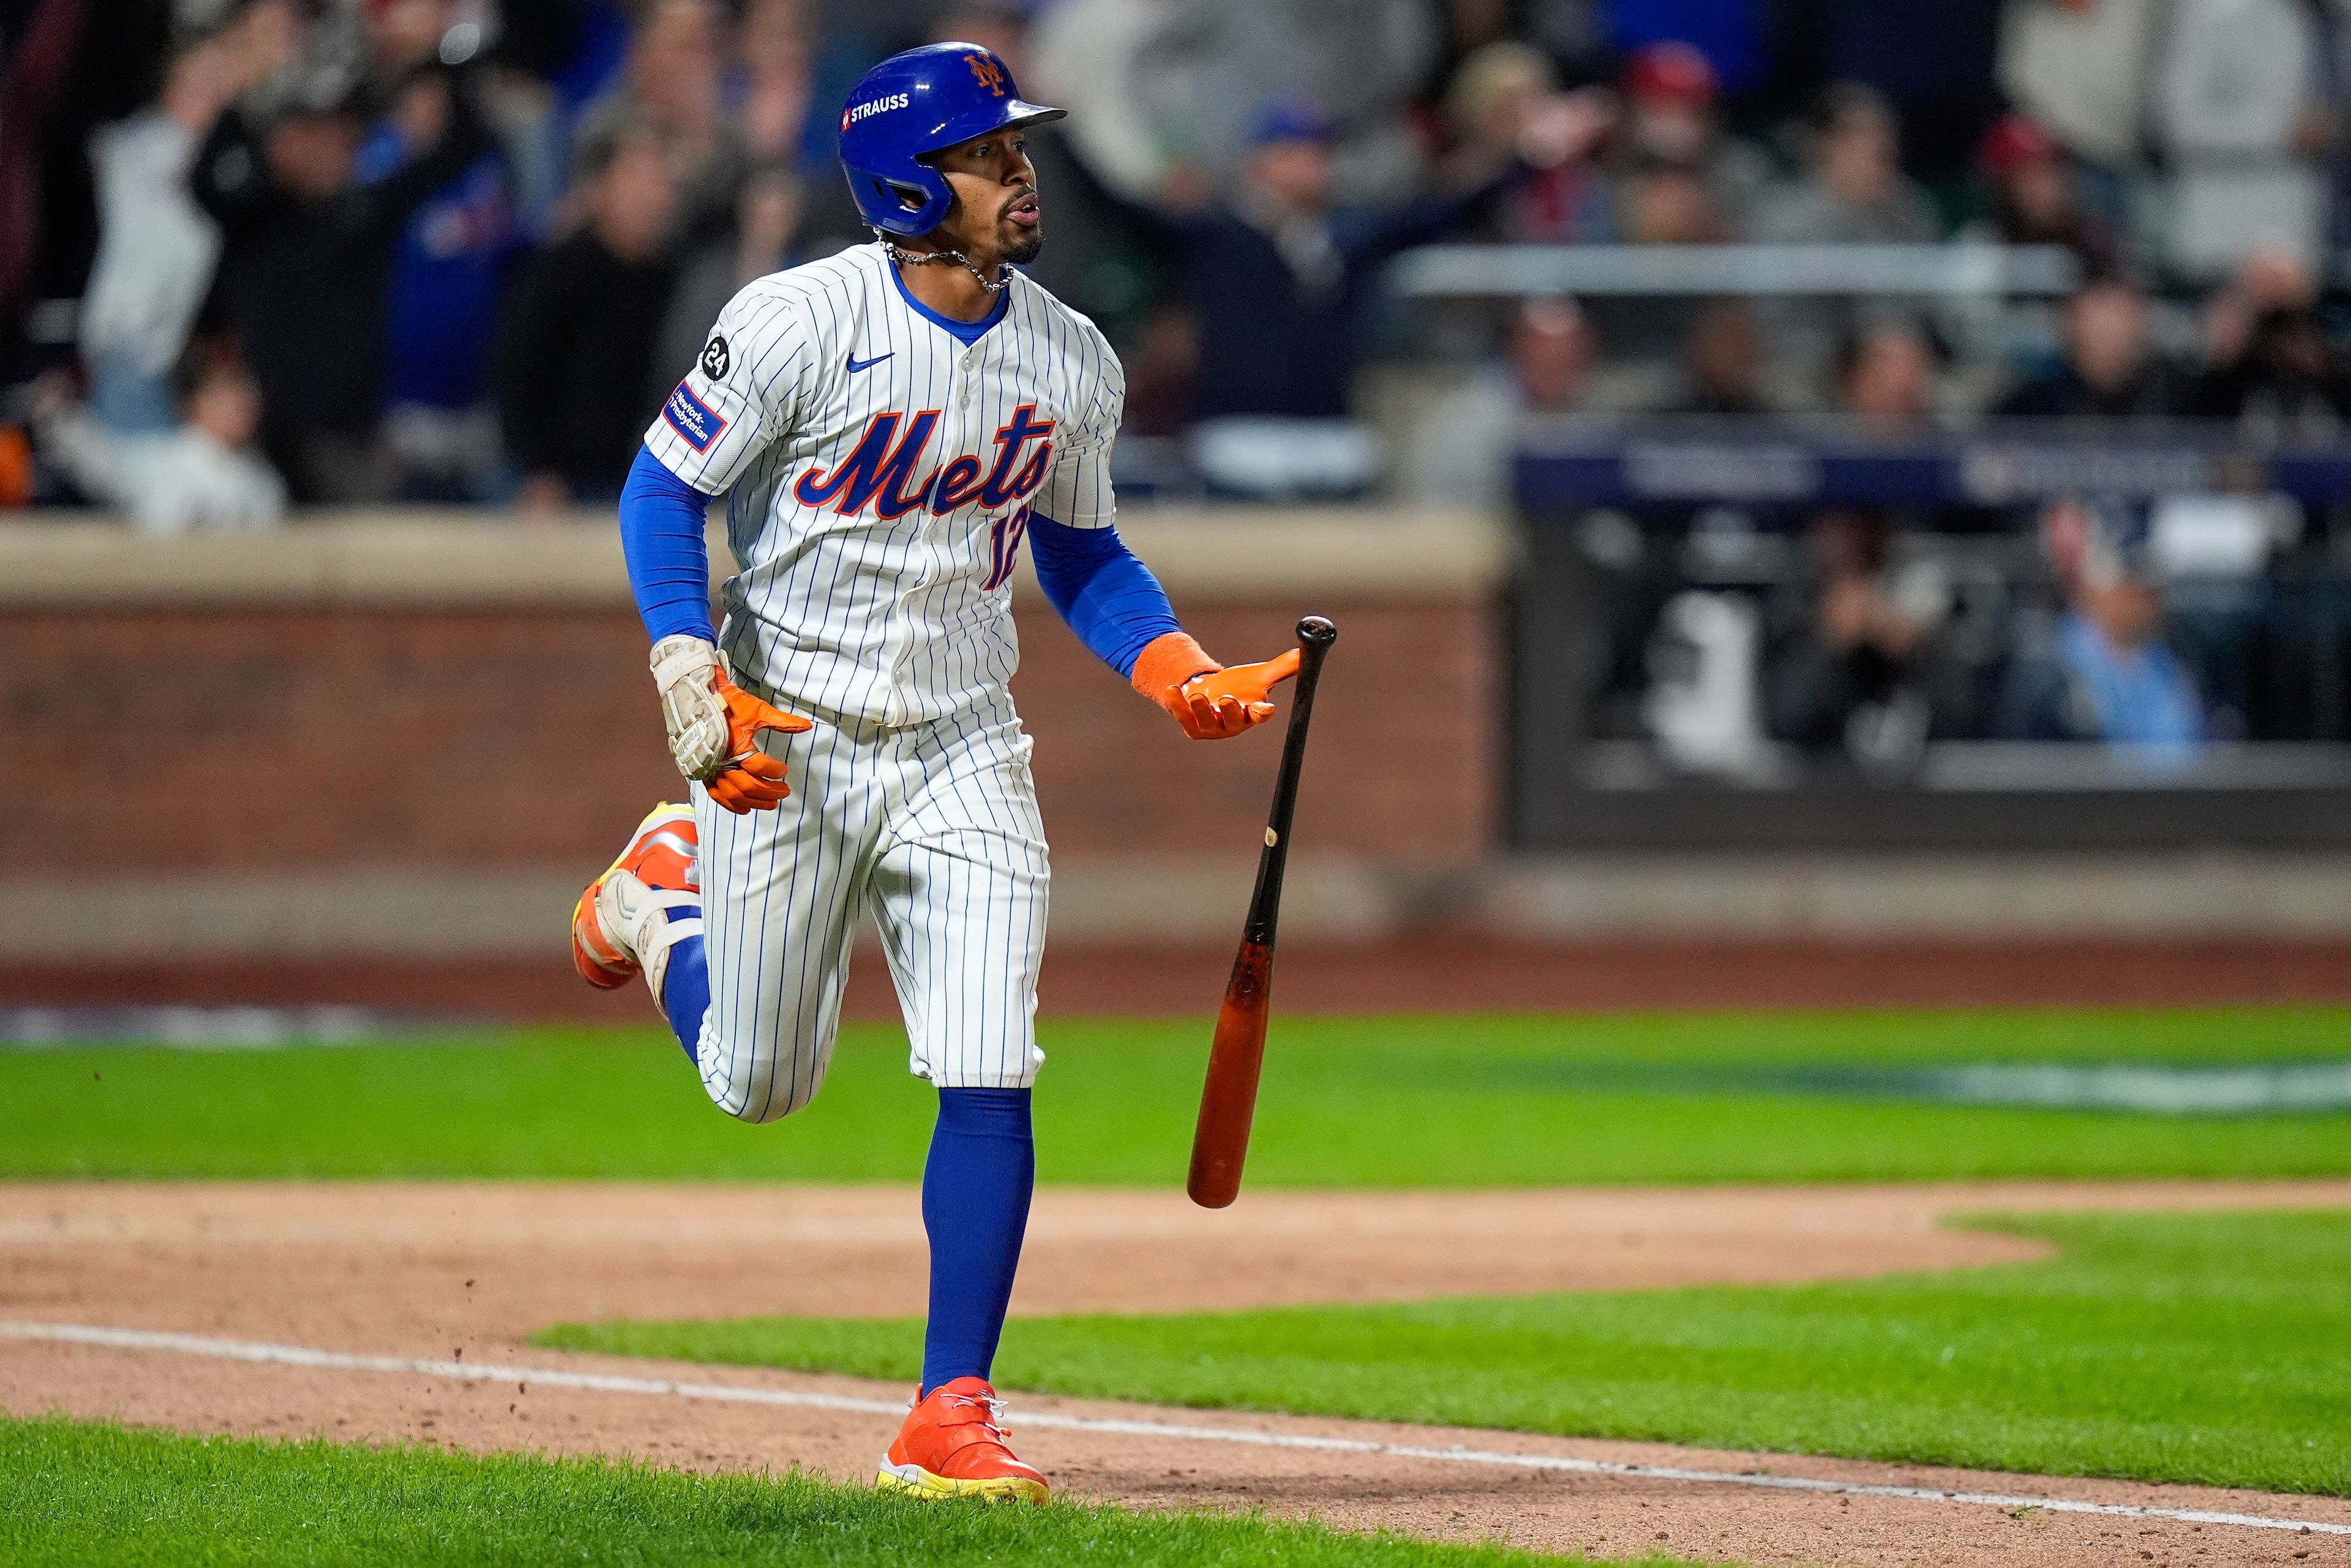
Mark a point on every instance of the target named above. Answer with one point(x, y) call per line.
point(1316, 630)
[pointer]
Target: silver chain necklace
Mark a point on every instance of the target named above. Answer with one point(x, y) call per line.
point(924, 257)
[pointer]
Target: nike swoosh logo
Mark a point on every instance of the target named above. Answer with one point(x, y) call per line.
point(856, 364)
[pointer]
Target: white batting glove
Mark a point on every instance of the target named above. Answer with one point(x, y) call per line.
point(713, 726)
point(686, 670)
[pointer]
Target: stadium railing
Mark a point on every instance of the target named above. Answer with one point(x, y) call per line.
point(1652, 554)
point(1962, 270)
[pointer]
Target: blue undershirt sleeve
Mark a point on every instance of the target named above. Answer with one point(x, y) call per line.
point(1109, 598)
point(669, 565)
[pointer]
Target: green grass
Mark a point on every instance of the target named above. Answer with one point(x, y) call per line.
point(2210, 1347)
point(1394, 1102)
point(75, 1493)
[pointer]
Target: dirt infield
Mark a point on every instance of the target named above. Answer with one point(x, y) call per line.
point(466, 1271)
point(1435, 974)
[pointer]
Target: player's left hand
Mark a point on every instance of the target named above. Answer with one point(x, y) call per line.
point(715, 724)
point(1220, 704)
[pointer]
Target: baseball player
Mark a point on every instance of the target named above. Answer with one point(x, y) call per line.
point(887, 427)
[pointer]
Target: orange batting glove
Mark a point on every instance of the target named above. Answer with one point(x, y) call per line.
point(752, 781)
point(714, 727)
point(1211, 702)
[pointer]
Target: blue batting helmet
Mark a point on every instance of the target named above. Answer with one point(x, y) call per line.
point(922, 100)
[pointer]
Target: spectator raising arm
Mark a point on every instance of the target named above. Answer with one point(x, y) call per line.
point(436, 117)
point(306, 265)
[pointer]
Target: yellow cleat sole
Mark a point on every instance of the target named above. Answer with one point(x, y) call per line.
point(913, 1480)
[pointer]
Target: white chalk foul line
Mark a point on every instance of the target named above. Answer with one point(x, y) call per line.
point(273, 1354)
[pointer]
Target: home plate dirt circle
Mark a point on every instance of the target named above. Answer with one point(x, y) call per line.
point(400, 1311)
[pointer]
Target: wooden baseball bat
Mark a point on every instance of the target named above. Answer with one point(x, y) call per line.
point(1228, 1098)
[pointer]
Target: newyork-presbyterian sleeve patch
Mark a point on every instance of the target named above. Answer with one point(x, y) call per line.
point(693, 419)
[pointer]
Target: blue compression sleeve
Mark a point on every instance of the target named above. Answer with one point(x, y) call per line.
point(685, 993)
point(1109, 598)
point(975, 1187)
point(669, 565)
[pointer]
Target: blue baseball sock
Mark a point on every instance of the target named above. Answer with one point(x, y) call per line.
point(976, 1188)
point(685, 995)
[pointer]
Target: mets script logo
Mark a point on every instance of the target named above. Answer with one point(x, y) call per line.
point(880, 470)
point(991, 74)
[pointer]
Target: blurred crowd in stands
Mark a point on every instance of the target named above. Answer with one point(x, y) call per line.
point(258, 253)
point(455, 250)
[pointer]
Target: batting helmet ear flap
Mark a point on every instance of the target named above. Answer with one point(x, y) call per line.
point(911, 208)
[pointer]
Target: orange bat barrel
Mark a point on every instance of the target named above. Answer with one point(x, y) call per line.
point(1229, 1097)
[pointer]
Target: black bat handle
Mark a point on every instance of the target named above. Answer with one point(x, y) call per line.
point(1315, 635)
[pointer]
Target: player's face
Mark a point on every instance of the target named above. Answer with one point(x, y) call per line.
point(995, 215)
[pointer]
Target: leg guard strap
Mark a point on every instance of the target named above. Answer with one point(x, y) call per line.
point(665, 933)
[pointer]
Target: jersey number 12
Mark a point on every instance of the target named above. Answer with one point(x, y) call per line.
point(1004, 543)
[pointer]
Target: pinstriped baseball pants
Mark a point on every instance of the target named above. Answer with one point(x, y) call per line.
point(933, 826)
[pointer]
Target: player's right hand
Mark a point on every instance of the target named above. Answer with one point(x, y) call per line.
point(751, 781)
point(714, 727)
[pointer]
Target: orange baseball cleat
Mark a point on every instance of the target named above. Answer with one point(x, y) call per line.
point(622, 922)
point(953, 1445)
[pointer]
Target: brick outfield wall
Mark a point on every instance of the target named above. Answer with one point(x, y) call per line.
point(183, 739)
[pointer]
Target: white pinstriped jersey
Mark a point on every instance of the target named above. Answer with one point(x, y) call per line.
point(879, 475)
